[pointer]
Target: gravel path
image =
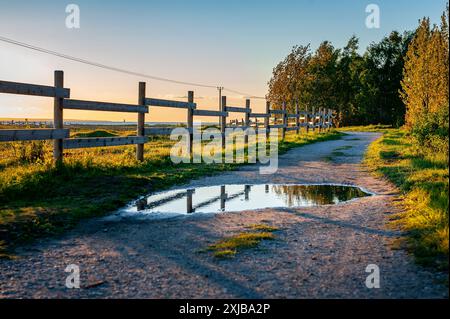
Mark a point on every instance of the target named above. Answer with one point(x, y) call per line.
point(320, 252)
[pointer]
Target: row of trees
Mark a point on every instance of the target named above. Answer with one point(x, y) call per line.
point(363, 89)
point(402, 72)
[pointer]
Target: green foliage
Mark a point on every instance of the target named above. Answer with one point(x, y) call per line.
point(379, 72)
point(431, 133)
point(363, 89)
point(32, 152)
point(423, 179)
point(425, 88)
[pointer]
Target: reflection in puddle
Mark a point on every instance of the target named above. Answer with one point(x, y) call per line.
point(226, 198)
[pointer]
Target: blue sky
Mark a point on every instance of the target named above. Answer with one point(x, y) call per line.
point(231, 43)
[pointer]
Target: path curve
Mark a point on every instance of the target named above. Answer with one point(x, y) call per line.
point(320, 252)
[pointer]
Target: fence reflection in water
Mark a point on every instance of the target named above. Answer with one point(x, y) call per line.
point(246, 197)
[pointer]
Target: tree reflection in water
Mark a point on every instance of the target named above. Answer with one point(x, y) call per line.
point(317, 194)
point(238, 197)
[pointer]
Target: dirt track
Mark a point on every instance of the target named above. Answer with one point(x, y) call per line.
point(319, 252)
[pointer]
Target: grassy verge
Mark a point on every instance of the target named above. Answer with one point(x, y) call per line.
point(39, 199)
point(423, 180)
point(368, 128)
point(230, 246)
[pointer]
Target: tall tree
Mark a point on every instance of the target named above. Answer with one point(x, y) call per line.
point(323, 77)
point(348, 82)
point(384, 63)
point(425, 84)
point(290, 78)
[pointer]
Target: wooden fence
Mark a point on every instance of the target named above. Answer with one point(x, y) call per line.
point(320, 119)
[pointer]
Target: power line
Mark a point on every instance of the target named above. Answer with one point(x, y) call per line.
point(111, 68)
point(244, 94)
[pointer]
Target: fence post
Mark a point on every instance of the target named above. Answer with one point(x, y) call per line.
point(307, 119)
point(247, 119)
point(324, 119)
point(190, 124)
point(58, 121)
point(267, 119)
point(283, 130)
point(223, 121)
point(314, 118)
point(297, 119)
point(320, 120)
point(141, 122)
point(330, 119)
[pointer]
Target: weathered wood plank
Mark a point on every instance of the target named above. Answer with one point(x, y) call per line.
point(190, 125)
point(140, 130)
point(259, 115)
point(169, 103)
point(285, 120)
point(58, 119)
point(209, 113)
point(293, 115)
point(241, 127)
point(291, 128)
point(267, 119)
point(278, 126)
point(104, 106)
point(247, 119)
point(277, 111)
point(33, 134)
point(103, 141)
point(238, 109)
point(33, 89)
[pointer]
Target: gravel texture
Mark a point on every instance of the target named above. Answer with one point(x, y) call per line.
point(320, 252)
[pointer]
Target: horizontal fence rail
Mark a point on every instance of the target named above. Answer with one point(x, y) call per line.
point(259, 115)
point(272, 119)
point(33, 89)
point(169, 103)
point(104, 106)
point(278, 111)
point(237, 109)
point(209, 113)
point(33, 134)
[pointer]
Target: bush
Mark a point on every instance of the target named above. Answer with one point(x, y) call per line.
point(431, 133)
point(32, 152)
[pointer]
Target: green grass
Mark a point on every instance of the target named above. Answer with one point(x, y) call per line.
point(262, 227)
point(230, 246)
point(38, 199)
point(96, 133)
point(368, 128)
point(423, 180)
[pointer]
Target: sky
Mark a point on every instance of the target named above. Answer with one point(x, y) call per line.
point(230, 43)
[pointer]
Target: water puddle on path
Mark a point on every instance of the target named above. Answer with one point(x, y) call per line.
point(232, 198)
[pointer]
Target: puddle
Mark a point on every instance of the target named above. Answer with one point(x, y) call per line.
point(232, 198)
